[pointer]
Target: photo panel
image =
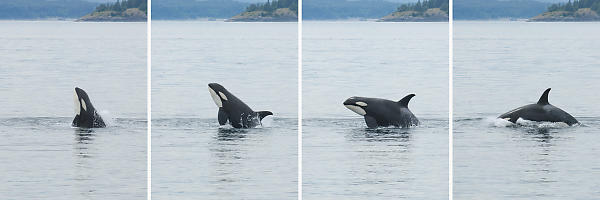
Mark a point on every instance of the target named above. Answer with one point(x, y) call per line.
point(375, 101)
point(225, 100)
point(73, 87)
point(524, 117)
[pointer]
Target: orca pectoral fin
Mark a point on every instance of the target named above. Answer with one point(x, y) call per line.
point(263, 114)
point(222, 116)
point(371, 121)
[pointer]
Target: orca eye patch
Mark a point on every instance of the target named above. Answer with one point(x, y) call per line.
point(83, 105)
point(223, 96)
point(360, 103)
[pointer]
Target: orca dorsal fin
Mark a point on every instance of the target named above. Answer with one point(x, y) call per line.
point(263, 114)
point(544, 98)
point(404, 101)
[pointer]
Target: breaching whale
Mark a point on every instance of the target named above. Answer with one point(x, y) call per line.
point(383, 112)
point(542, 111)
point(233, 109)
point(85, 113)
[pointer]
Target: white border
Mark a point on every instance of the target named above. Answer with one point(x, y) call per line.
point(450, 98)
point(299, 99)
point(149, 99)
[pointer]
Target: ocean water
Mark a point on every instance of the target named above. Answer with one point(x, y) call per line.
point(41, 155)
point(192, 156)
point(342, 158)
point(500, 66)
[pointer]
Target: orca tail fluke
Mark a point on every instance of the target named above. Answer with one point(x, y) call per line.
point(544, 98)
point(404, 101)
point(263, 114)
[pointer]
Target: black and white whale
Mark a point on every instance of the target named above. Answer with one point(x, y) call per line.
point(233, 109)
point(85, 113)
point(542, 111)
point(383, 112)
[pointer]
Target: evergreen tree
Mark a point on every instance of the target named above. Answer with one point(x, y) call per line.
point(120, 6)
point(271, 6)
point(572, 6)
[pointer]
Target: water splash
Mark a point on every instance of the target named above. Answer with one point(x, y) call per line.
point(108, 117)
point(497, 122)
point(267, 121)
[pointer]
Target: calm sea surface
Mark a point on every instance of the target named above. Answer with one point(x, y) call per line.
point(192, 156)
point(342, 159)
point(503, 65)
point(41, 156)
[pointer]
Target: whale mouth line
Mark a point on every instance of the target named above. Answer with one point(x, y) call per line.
point(356, 109)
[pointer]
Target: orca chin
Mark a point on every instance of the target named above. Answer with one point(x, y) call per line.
point(86, 115)
point(356, 109)
point(542, 111)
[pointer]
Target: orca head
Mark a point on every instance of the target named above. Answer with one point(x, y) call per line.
point(82, 102)
point(219, 94)
point(357, 104)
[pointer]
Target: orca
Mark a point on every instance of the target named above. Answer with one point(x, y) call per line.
point(542, 111)
point(382, 112)
point(86, 115)
point(233, 110)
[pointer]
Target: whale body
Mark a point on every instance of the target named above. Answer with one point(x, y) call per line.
point(86, 115)
point(542, 111)
point(233, 110)
point(382, 112)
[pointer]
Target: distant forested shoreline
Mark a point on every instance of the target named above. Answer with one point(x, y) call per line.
point(271, 6)
point(271, 11)
point(425, 11)
point(125, 10)
point(577, 10)
point(121, 6)
point(535, 10)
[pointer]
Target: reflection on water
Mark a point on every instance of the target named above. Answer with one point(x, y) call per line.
point(402, 136)
point(231, 134)
point(345, 159)
point(202, 159)
point(83, 139)
point(104, 163)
